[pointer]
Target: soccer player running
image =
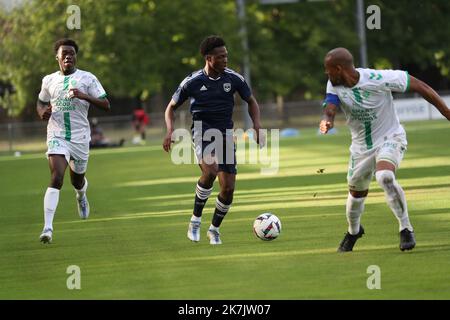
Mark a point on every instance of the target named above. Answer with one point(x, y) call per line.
point(378, 139)
point(64, 101)
point(211, 90)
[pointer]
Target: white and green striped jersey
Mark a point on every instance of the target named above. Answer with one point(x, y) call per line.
point(69, 118)
point(369, 106)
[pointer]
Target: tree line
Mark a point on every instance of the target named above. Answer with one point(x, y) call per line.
point(142, 48)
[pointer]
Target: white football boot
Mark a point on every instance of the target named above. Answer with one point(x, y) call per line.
point(214, 236)
point(46, 235)
point(83, 206)
point(194, 231)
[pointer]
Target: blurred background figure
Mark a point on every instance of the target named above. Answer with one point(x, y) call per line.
point(140, 122)
point(98, 139)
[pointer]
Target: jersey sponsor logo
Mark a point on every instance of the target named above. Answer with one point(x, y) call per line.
point(64, 104)
point(64, 108)
point(203, 88)
point(227, 87)
point(363, 115)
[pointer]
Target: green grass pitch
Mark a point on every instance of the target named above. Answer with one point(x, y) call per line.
point(134, 244)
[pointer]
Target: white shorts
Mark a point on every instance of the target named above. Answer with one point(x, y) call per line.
point(362, 167)
point(76, 154)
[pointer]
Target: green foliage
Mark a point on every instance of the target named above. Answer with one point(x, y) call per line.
point(412, 32)
point(289, 42)
point(136, 48)
point(140, 48)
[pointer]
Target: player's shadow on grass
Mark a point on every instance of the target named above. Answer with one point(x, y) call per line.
point(433, 186)
point(421, 172)
point(426, 249)
point(294, 181)
point(430, 211)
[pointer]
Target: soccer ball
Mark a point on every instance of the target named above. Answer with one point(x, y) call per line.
point(267, 226)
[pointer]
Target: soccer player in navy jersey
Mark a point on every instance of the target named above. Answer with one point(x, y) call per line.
point(211, 92)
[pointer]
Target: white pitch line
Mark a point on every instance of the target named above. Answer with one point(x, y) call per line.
point(188, 214)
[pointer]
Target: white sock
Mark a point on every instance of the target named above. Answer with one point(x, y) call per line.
point(196, 219)
point(354, 210)
point(82, 191)
point(211, 227)
point(202, 193)
point(51, 199)
point(395, 197)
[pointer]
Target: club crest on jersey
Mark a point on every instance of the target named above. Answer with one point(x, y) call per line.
point(227, 87)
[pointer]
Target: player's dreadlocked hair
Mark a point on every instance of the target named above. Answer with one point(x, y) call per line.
point(210, 43)
point(65, 42)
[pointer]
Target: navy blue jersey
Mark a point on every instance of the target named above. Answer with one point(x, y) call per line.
point(212, 100)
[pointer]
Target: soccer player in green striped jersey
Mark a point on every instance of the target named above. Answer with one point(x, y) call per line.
point(64, 102)
point(378, 139)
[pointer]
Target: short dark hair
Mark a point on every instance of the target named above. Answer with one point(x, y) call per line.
point(65, 42)
point(210, 43)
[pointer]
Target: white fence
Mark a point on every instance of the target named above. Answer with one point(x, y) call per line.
point(413, 109)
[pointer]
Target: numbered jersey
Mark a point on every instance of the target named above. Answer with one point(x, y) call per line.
point(369, 106)
point(69, 118)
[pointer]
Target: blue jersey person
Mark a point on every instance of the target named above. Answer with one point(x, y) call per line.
point(211, 92)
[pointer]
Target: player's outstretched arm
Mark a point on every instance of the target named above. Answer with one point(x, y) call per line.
point(329, 113)
point(44, 109)
point(253, 111)
point(430, 95)
point(169, 117)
